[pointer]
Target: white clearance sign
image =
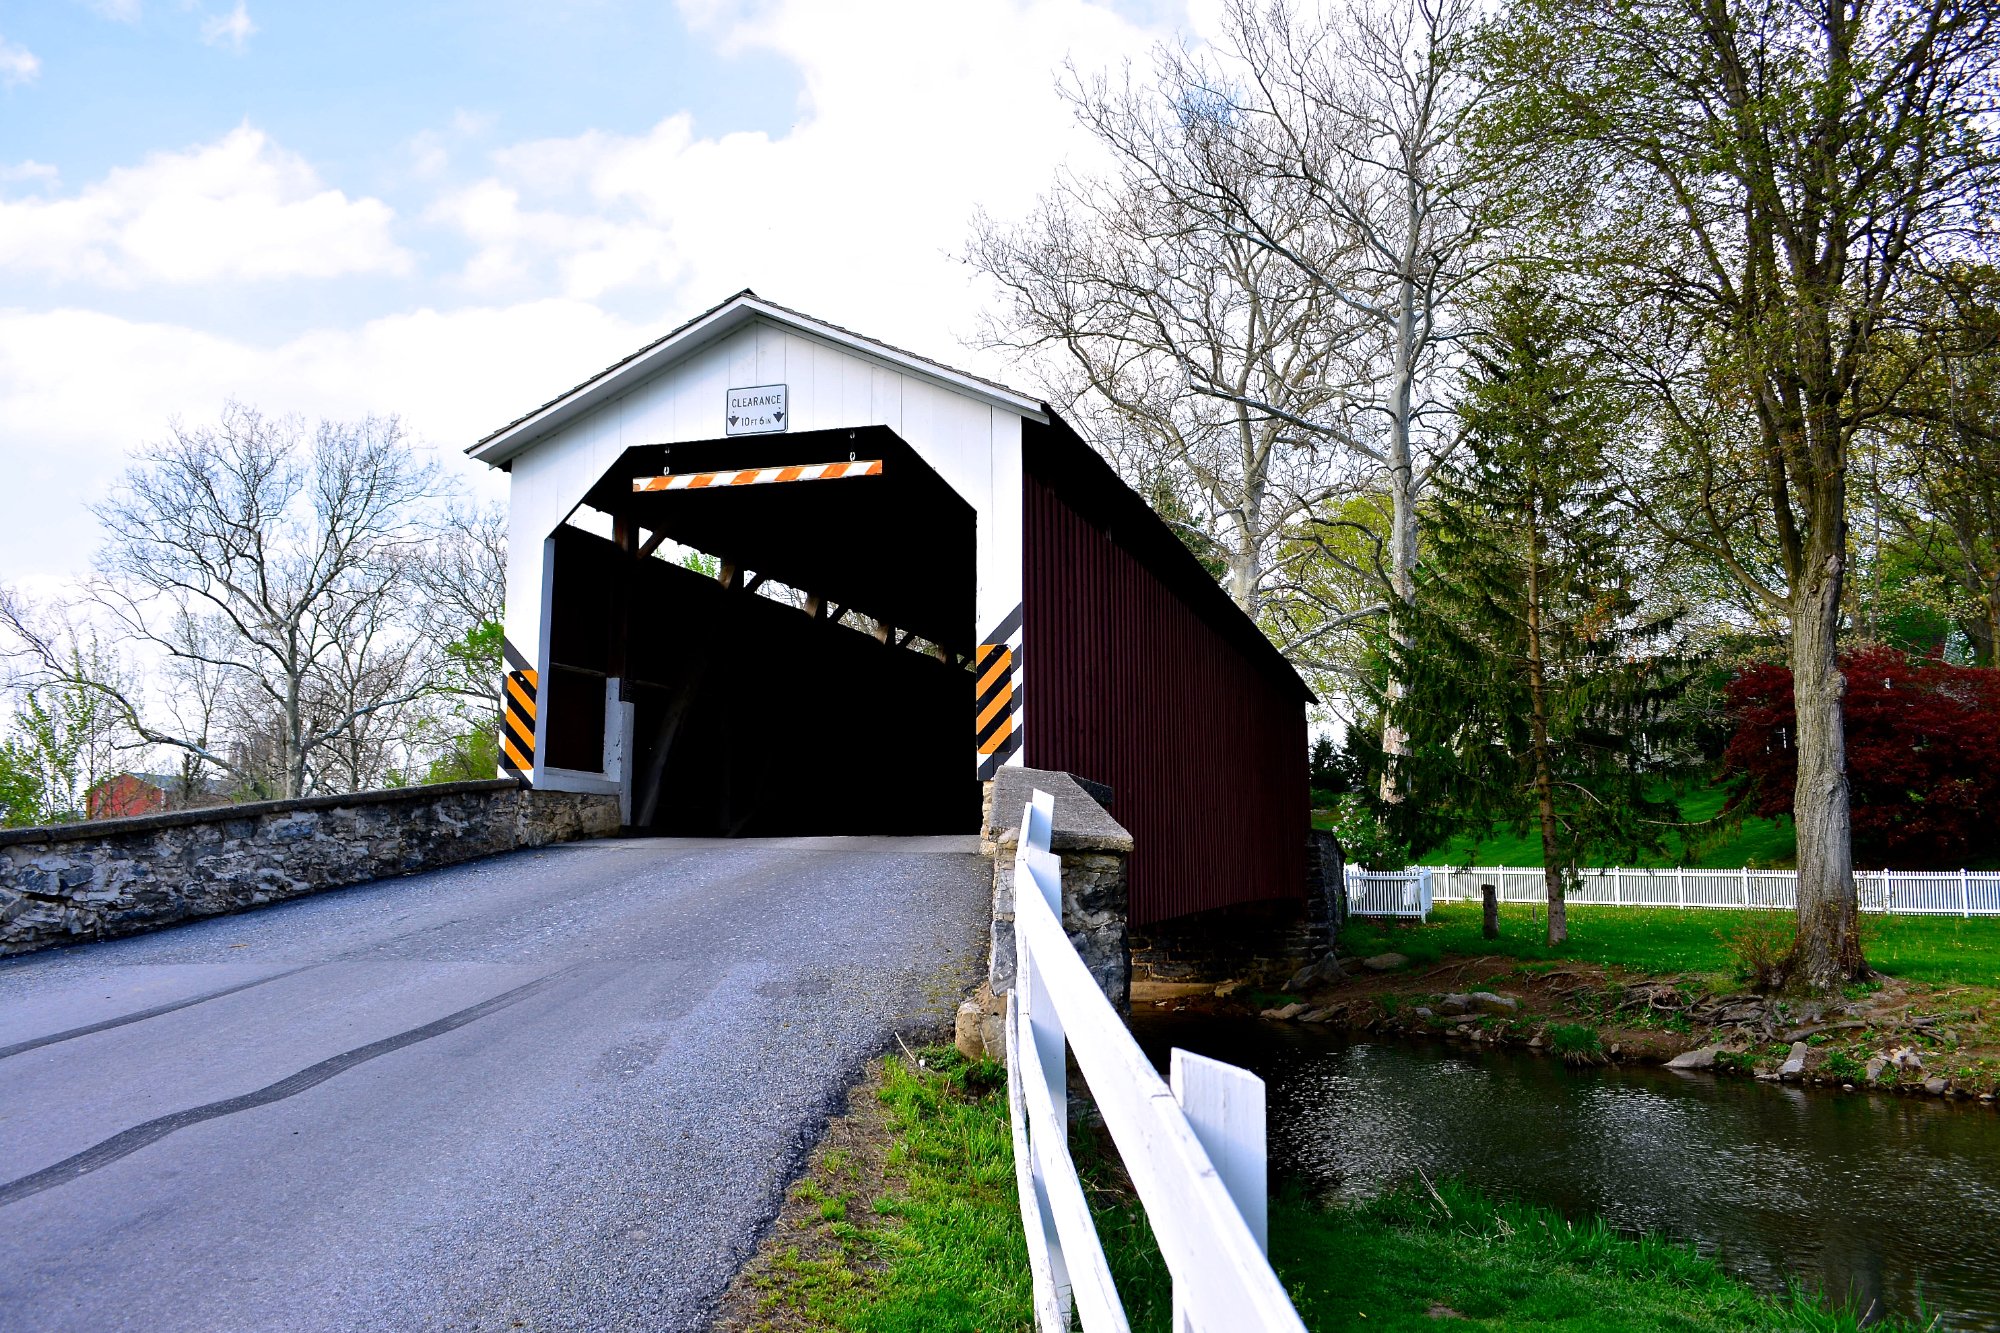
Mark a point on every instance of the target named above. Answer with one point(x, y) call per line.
point(758, 410)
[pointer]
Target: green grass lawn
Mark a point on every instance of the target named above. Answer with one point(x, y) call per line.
point(1936, 949)
point(1756, 842)
point(1753, 841)
point(941, 1251)
point(1455, 1258)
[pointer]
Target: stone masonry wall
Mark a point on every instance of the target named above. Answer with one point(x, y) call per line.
point(1256, 941)
point(114, 877)
point(1093, 848)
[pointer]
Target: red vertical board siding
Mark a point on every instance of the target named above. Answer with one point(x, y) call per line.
point(1126, 684)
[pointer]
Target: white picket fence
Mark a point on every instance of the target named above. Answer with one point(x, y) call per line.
point(1904, 892)
point(1391, 892)
point(1195, 1150)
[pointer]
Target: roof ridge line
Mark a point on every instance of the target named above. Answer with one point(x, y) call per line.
point(760, 307)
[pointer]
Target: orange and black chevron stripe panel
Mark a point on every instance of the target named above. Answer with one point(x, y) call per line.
point(993, 667)
point(517, 716)
point(996, 666)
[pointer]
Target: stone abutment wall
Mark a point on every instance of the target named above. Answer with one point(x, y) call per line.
point(112, 877)
point(1257, 941)
point(1093, 847)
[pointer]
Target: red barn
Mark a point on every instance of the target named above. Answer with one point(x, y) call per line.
point(124, 795)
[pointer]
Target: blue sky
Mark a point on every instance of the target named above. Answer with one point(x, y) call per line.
point(450, 211)
point(360, 90)
point(346, 84)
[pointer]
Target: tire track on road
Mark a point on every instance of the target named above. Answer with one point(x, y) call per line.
point(127, 1142)
point(35, 1043)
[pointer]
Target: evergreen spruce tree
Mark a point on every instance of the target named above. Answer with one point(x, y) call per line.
point(1535, 680)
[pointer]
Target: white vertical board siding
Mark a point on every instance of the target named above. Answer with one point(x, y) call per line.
point(885, 388)
point(771, 349)
point(973, 445)
point(1000, 556)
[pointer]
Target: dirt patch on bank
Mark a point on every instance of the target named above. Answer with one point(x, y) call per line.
point(1891, 1035)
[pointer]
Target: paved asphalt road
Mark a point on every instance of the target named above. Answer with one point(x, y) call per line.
point(554, 1090)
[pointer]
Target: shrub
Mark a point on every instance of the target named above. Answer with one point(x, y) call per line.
point(1759, 943)
point(1576, 1043)
point(1923, 754)
point(1363, 838)
point(1741, 1062)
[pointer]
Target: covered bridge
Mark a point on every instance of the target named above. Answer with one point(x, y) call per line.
point(767, 576)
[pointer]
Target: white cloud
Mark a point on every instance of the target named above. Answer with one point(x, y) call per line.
point(39, 173)
point(231, 30)
point(430, 150)
point(239, 209)
point(17, 64)
point(452, 375)
point(913, 116)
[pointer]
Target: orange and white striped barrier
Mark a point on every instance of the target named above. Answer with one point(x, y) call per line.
point(757, 476)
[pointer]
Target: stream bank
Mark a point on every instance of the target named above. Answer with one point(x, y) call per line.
point(1889, 1204)
point(1643, 986)
point(907, 1221)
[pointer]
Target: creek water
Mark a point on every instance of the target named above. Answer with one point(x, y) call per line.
point(1892, 1202)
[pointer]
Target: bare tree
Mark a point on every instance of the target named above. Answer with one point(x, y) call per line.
point(1192, 354)
point(460, 577)
point(1317, 156)
point(1361, 112)
point(367, 695)
point(194, 696)
point(264, 563)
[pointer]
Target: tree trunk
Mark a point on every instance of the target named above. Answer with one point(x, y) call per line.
point(1403, 584)
point(1402, 485)
point(1827, 953)
point(1246, 563)
point(1552, 868)
point(1985, 633)
point(1538, 695)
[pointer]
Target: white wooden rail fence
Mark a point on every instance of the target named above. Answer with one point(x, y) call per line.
point(1391, 892)
point(1195, 1151)
point(1903, 892)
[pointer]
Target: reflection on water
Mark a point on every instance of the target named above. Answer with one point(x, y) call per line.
point(1884, 1198)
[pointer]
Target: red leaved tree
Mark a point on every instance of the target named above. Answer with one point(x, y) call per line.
point(1923, 754)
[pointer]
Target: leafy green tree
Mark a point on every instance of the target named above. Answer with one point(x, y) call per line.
point(463, 731)
point(20, 786)
point(66, 738)
point(1535, 685)
point(1336, 581)
point(1943, 447)
point(1335, 770)
point(1756, 186)
point(471, 756)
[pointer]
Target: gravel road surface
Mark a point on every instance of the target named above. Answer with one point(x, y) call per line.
point(555, 1090)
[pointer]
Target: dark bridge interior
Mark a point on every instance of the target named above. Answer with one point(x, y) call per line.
point(847, 712)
